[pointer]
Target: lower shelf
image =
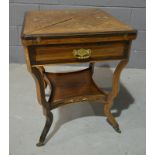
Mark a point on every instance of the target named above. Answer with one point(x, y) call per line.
point(74, 87)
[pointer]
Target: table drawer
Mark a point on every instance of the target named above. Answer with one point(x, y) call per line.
point(77, 53)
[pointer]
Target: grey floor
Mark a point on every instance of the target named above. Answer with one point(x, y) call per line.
point(78, 129)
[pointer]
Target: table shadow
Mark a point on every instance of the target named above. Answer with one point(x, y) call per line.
point(120, 103)
point(73, 111)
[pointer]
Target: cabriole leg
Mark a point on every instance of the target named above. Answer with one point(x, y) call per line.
point(41, 83)
point(113, 94)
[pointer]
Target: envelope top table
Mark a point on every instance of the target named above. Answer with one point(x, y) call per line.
point(73, 23)
point(74, 36)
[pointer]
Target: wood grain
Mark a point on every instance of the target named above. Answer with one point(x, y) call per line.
point(46, 26)
point(49, 37)
point(64, 53)
point(74, 87)
point(66, 22)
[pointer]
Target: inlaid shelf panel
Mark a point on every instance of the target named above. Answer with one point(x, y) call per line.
point(74, 87)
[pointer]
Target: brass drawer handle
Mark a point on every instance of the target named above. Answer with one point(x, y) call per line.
point(82, 53)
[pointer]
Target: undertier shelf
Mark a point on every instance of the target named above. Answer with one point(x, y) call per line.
point(74, 87)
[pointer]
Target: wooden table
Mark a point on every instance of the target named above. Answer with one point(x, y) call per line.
point(74, 36)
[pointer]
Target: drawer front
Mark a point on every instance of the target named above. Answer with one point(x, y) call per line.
point(77, 53)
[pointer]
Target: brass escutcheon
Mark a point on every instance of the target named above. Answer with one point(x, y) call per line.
point(82, 53)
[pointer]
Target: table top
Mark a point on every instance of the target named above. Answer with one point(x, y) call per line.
point(72, 22)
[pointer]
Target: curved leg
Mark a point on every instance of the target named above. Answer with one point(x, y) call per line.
point(40, 76)
point(113, 94)
point(49, 120)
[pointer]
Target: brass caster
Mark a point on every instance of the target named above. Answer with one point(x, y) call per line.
point(117, 129)
point(40, 144)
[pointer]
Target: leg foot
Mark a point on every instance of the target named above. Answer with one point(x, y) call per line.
point(110, 118)
point(117, 130)
point(47, 126)
point(116, 127)
point(40, 144)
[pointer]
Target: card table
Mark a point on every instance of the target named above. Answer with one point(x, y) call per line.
point(74, 36)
